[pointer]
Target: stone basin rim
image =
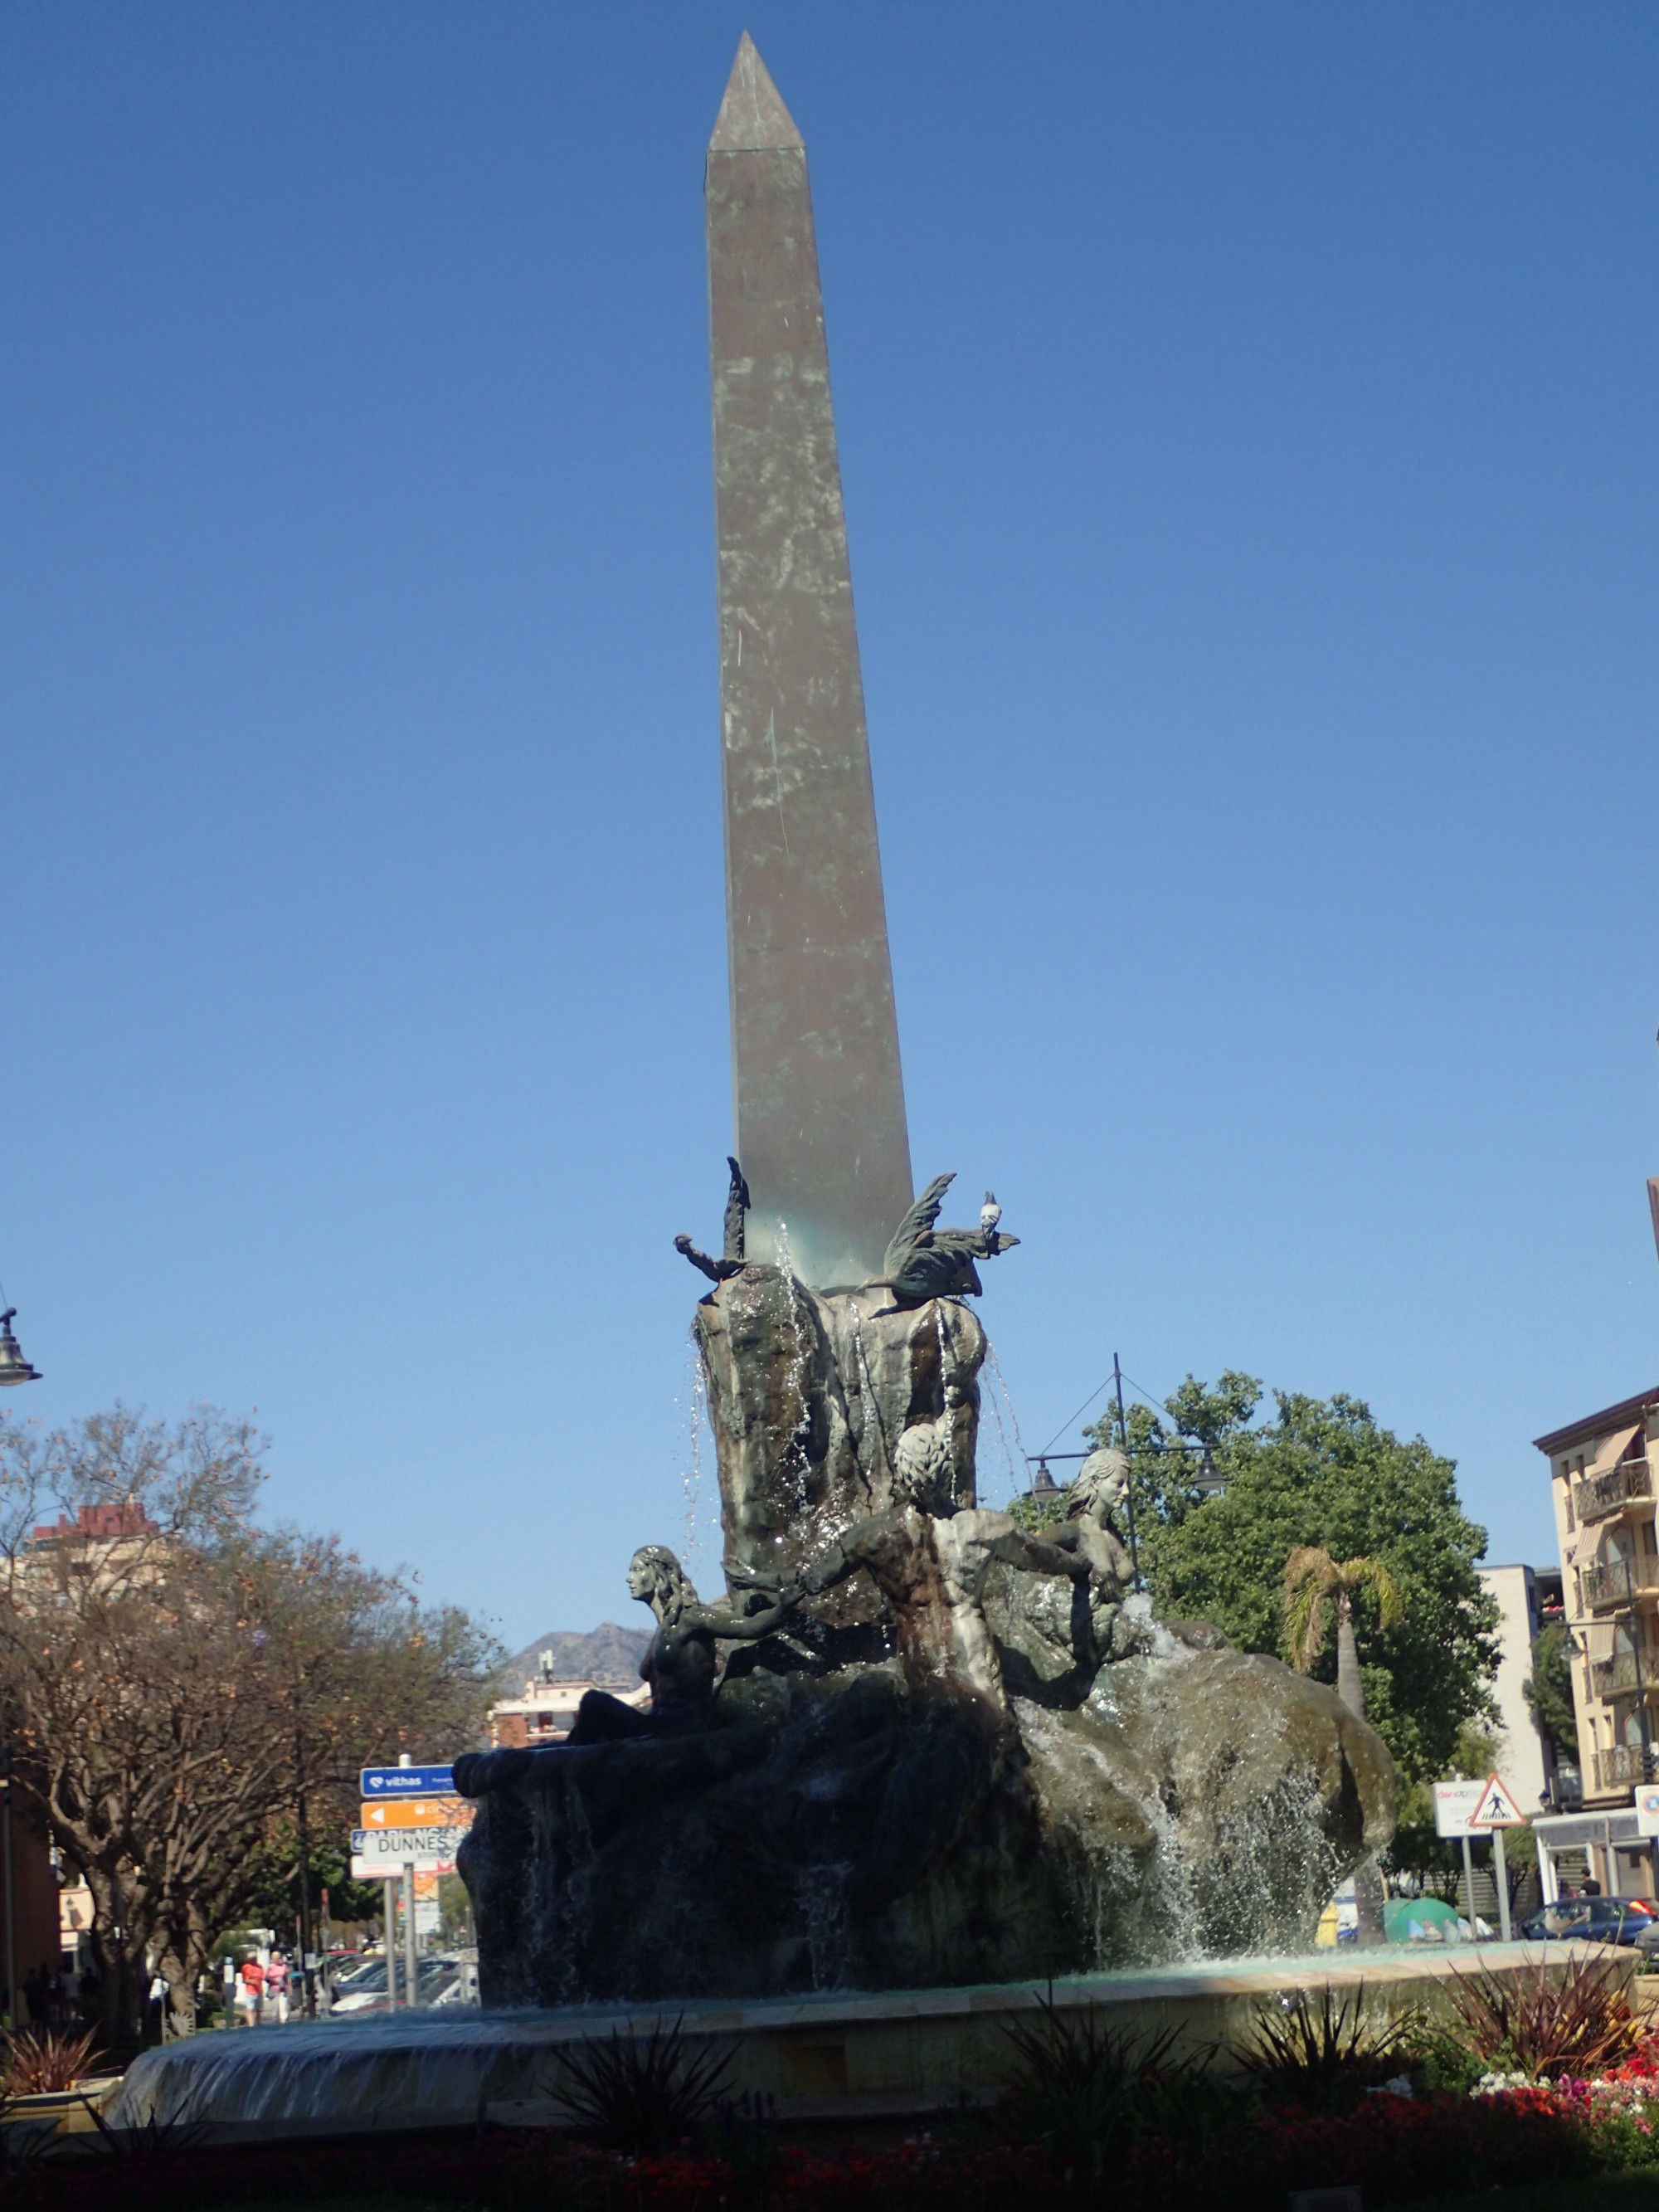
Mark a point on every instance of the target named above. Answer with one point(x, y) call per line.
point(1189, 1981)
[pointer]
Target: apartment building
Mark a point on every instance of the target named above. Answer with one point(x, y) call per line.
point(1601, 1475)
point(1529, 1600)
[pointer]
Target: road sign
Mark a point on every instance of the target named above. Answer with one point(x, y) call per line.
point(1647, 1809)
point(1496, 1808)
point(1454, 1802)
point(417, 1813)
point(378, 1854)
point(407, 1781)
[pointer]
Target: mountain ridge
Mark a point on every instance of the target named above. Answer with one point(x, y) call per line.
point(609, 1656)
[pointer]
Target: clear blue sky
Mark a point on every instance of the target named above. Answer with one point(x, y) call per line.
point(1247, 418)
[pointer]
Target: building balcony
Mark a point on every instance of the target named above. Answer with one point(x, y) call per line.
point(1622, 1766)
point(1625, 1673)
point(1628, 1484)
point(1620, 1582)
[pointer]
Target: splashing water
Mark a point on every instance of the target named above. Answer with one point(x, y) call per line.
point(1138, 1610)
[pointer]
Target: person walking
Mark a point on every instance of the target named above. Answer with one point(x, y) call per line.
point(276, 1989)
point(252, 1996)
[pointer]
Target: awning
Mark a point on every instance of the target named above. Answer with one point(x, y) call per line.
point(1559, 1831)
point(1613, 1450)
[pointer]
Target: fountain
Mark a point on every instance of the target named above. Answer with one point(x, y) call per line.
point(941, 1749)
point(917, 1761)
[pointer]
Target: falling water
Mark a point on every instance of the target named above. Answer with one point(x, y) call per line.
point(793, 1462)
point(694, 1399)
point(872, 1400)
point(1001, 1402)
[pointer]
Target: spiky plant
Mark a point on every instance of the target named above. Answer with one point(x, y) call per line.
point(1315, 1586)
point(1321, 2055)
point(1083, 2087)
point(37, 2060)
point(1548, 2020)
point(642, 2094)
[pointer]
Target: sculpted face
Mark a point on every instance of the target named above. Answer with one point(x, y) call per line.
point(1102, 1482)
point(641, 1580)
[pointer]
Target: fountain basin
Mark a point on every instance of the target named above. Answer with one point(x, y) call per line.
point(840, 2055)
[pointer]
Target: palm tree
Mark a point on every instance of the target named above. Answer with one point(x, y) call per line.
point(1316, 1583)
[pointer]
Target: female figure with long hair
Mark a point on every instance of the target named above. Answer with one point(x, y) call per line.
point(681, 1664)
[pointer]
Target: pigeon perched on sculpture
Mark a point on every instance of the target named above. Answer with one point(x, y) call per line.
point(924, 1261)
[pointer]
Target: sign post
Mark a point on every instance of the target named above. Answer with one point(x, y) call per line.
point(1453, 1803)
point(391, 1942)
point(411, 1970)
point(412, 1824)
point(1496, 1811)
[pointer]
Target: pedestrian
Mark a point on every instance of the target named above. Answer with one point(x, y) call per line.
point(252, 1994)
point(276, 1989)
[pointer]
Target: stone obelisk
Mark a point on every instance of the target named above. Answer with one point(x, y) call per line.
point(819, 1099)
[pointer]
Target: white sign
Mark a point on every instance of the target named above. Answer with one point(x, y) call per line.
point(1498, 1807)
point(377, 1854)
point(1647, 1809)
point(1454, 1802)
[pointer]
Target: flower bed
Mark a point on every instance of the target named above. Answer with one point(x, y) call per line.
point(1398, 2147)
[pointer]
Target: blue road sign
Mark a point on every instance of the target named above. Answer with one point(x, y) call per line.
point(407, 1781)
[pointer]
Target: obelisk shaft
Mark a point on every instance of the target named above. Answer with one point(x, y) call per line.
point(819, 1098)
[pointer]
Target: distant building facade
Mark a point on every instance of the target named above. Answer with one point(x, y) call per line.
point(546, 1712)
point(1529, 1600)
point(1601, 1476)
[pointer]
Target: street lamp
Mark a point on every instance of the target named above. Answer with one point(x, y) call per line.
point(14, 1368)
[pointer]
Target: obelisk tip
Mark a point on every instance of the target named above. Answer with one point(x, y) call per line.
point(753, 116)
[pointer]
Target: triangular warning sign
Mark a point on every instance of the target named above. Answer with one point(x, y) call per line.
point(1498, 1807)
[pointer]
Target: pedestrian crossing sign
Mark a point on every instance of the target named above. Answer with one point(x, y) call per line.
point(1498, 1807)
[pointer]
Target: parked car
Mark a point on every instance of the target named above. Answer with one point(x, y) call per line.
point(438, 1981)
point(1630, 1921)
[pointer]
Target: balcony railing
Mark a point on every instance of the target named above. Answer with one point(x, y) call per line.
point(1621, 1582)
point(1610, 1492)
point(1621, 1674)
point(1622, 1764)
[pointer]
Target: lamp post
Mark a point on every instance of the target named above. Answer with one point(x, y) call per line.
point(14, 1368)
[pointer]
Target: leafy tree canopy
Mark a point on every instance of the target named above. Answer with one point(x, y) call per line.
point(1548, 1688)
point(1321, 1473)
point(178, 1681)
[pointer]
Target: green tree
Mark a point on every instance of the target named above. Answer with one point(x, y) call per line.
point(1170, 1458)
point(1548, 1688)
point(273, 1890)
point(1323, 1473)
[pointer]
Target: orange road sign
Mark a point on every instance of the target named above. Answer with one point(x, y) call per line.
point(417, 1813)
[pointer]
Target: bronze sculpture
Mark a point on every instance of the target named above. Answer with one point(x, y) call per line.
point(924, 1261)
point(681, 1664)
